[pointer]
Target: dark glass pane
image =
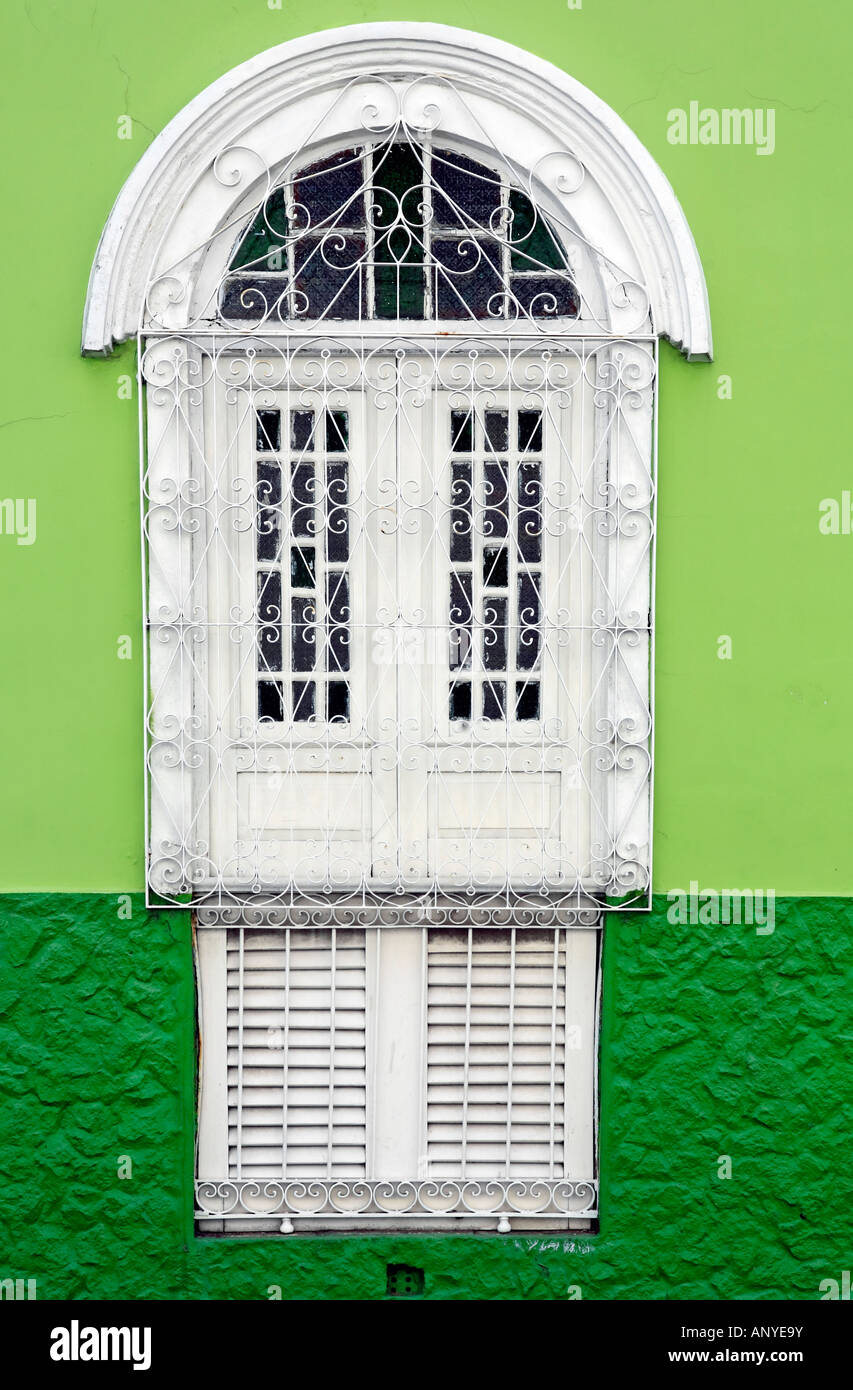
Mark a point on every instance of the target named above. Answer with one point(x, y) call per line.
point(467, 279)
point(304, 700)
point(302, 567)
point(545, 296)
point(268, 431)
point(303, 635)
point(337, 512)
point(271, 700)
point(399, 290)
point(530, 511)
point(269, 621)
point(494, 634)
point(461, 432)
point(252, 298)
point(397, 193)
point(337, 701)
point(494, 699)
point(327, 193)
point(460, 599)
point(530, 431)
point(497, 430)
point(303, 494)
point(527, 700)
point(329, 275)
point(337, 621)
point(464, 192)
point(461, 615)
point(460, 700)
point(461, 512)
point(495, 567)
point(529, 618)
point(337, 431)
point(266, 236)
point(269, 514)
point(302, 429)
point(534, 245)
point(495, 499)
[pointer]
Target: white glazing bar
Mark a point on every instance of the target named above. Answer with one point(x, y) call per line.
point(331, 1134)
point(552, 1090)
point(285, 1053)
point(466, 1063)
point(511, 1032)
point(240, 989)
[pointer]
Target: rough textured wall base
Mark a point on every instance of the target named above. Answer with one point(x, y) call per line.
point(716, 1041)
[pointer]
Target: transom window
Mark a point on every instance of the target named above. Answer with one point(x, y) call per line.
point(398, 231)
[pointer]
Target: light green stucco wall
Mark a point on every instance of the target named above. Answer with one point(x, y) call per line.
point(754, 758)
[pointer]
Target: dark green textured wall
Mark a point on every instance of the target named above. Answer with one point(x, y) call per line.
point(715, 1041)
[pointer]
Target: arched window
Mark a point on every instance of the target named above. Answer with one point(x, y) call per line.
point(398, 292)
point(398, 231)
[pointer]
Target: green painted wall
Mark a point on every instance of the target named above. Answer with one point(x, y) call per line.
point(754, 757)
point(715, 1041)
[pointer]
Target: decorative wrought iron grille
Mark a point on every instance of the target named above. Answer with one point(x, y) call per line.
point(399, 491)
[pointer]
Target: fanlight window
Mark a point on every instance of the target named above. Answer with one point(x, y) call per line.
point(398, 231)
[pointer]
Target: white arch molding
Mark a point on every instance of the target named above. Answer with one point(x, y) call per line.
point(176, 214)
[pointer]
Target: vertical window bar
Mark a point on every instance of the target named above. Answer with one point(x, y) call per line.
point(330, 1138)
point(509, 1058)
point(285, 1057)
point(467, 1053)
point(552, 1099)
point(240, 988)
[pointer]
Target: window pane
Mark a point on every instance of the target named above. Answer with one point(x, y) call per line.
point(460, 700)
point(302, 497)
point(494, 700)
point(269, 621)
point(466, 279)
point(495, 499)
point(530, 511)
point(303, 700)
point(337, 701)
point(529, 618)
point(465, 193)
point(495, 567)
point(327, 193)
point(461, 513)
point(337, 621)
point(337, 512)
point(527, 700)
point(302, 429)
point(302, 567)
point(303, 634)
point(494, 634)
point(329, 276)
point(271, 701)
point(269, 510)
point(268, 431)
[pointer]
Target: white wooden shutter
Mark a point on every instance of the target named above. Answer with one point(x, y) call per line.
point(296, 1053)
point(496, 1035)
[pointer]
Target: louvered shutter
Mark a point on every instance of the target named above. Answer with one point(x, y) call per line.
point(496, 1020)
point(296, 1003)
